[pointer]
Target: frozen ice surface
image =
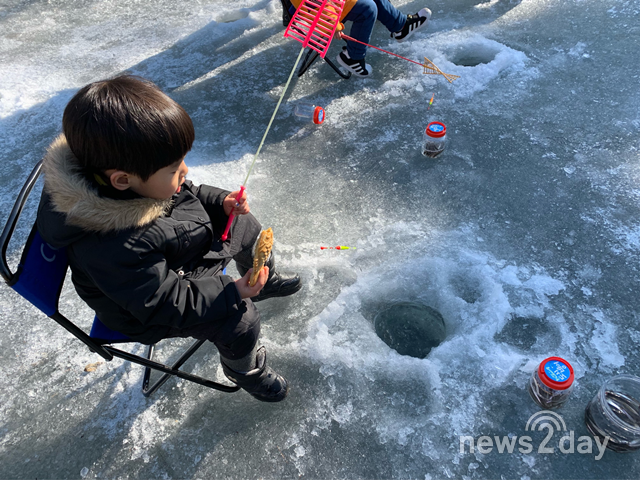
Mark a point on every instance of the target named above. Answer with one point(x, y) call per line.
point(524, 234)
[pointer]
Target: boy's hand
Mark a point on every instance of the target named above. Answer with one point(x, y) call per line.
point(243, 287)
point(229, 203)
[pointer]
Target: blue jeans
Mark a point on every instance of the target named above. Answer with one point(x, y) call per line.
point(363, 15)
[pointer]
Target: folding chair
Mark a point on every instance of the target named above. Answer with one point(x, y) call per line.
point(39, 278)
point(287, 12)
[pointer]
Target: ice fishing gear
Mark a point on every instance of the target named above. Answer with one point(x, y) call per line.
point(431, 101)
point(339, 247)
point(313, 24)
point(309, 112)
point(312, 55)
point(551, 383)
point(435, 137)
point(263, 251)
point(429, 67)
point(613, 415)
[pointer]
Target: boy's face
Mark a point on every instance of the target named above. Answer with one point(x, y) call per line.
point(162, 184)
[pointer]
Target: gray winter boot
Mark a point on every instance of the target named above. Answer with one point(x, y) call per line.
point(261, 382)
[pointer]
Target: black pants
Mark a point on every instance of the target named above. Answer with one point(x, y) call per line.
point(236, 335)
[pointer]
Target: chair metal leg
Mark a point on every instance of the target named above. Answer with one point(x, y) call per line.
point(168, 371)
point(147, 373)
point(146, 390)
point(309, 58)
point(346, 76)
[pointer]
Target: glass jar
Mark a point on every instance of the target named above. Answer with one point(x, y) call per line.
point(551, 383)
point(435, 137)
point(309, 112)
point(615, 413)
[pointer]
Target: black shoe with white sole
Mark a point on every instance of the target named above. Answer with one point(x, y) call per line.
point(357, 67)
point(413, 24)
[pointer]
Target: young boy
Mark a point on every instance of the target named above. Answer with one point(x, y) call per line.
point(143, 242)
point(363, 14)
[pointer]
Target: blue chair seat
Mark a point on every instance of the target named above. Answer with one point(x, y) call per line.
point(103, 334)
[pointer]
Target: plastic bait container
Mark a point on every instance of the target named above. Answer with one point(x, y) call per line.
point(310, 112)
point(615, 413)
point(434, 139)
point(551, 383)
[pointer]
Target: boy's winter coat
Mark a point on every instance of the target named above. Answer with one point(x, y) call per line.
point(143, 265)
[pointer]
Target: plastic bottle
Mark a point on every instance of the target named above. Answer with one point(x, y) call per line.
point(310, 112)
point(435, 136)
point(551, 383)
point(615, 412)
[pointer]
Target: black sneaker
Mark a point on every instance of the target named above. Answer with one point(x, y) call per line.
point(413, 23)
point(356, 67)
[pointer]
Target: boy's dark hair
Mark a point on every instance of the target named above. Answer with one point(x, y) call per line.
point(126, 123)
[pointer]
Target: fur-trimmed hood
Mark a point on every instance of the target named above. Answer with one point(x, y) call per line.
point(71, 194)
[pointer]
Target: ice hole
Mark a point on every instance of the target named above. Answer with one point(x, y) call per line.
point(522, 332)
point(471, 55)
point(410, 328)
point(467, 288)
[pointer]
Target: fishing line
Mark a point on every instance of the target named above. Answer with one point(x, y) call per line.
point(429, 67)
point(314, 25)
point(255, 157)
point(347, 37)
point(286, 86)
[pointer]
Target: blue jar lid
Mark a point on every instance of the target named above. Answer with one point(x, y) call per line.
point(555, 372)
point(436, 129)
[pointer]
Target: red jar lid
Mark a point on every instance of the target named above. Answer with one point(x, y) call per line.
point(436, 129)
point(318, 115)
point(556, 373)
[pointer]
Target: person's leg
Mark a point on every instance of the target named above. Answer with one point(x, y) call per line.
point(412, 24)
point(236, 338)
point(238, 334)
point(243, 234)
point(235, 335)
point(279, 284)
point(245, 364)
point(389, 16)
point(363, 15)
